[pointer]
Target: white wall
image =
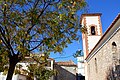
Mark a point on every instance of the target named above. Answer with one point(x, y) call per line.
point(93, 20)
point(80, 64)
point(15, 77)
point(92, 41)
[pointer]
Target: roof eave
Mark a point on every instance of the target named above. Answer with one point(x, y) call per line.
point(112, 24)
point(90, 14)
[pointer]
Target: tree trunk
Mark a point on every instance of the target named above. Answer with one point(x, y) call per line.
point(10, 71)
point(12, 63)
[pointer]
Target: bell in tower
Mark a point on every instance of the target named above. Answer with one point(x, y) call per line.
point(92, 30)
point(92, 22)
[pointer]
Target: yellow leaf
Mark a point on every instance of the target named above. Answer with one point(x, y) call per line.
point(0, 41)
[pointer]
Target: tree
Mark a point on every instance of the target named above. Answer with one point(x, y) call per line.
point(39, 72)
point(3, 59)
point(28, 26)
point(37, 68)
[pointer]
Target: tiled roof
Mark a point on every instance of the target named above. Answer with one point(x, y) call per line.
point(66, 63)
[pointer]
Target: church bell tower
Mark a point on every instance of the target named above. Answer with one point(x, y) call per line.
point(92, 23)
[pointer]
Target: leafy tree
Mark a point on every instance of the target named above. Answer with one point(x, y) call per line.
point(36, 68)
point(40, 72)
point(18, 69)
point(78, 53)
point(28, 26)
point(3, 59)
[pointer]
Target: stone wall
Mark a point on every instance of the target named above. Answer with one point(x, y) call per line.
point(65, 72)
point(99, 65)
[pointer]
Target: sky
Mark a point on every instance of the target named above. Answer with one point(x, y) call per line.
point(109, 9)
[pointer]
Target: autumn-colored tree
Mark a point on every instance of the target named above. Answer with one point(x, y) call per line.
point(28, 26)
point(39, 72)
point(3, 59)
point(37, 68)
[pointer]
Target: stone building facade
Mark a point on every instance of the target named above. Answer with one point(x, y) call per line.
point(65, 70)
point(102, 62)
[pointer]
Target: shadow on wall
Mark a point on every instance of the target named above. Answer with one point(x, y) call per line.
point(63, 74)
point(114, 73)
point(80, 77)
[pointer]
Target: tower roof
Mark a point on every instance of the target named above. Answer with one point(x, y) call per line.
point(90, 14)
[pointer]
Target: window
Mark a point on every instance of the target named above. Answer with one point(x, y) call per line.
point(114, 46)
point(93, 30)
point(96, 65)
point(114, 49)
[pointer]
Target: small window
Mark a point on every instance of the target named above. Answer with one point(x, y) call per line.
point(93, 30)
point(96, 65)
point(114, 46)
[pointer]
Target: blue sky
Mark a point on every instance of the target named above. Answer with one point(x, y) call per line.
point(109, 10)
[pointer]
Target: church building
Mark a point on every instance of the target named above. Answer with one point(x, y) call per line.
point(101, 51)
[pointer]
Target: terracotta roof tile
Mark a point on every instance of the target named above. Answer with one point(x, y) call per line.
point(66, 63)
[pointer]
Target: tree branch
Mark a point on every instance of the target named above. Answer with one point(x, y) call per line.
point(4, 14)
point(55, 2)
point(36, 46)
point(7, 43)
point(44, 8)
point(34, 41)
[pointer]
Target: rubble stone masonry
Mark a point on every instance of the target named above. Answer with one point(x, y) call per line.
point(99, 65)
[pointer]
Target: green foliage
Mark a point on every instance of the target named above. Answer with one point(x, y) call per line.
point(78, 53)
point(27, 26)
point(3, 59)
point(5, 70)
point(36, 68)
point(37, 25)
point(41, 73)
point(18, 69)
point(83, 29)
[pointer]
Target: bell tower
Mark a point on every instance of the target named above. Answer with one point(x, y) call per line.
point(92, 23)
